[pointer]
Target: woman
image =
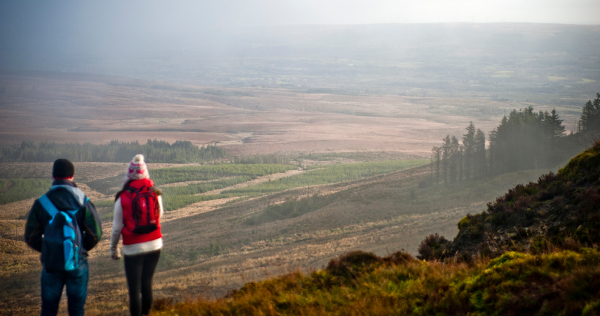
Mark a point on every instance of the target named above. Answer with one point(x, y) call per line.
point(138, 208)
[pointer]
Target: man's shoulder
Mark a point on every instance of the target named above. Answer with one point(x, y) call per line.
point(66, 197)
point(37, 205)
point(66, 190)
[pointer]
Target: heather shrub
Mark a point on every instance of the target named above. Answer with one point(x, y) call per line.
point(433, 247)
point(558, 283)
point(350, 264)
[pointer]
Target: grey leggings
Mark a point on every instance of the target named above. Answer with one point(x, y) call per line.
point(139, 270)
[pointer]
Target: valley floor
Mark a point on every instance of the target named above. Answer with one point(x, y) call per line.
point(212, 246)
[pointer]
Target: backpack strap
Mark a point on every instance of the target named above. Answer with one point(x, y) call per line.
point(50, 208)
point(48, 205)
point(130, 189)
point(135, 190)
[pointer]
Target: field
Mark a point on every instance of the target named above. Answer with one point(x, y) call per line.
point(74, 108)
point(221, 241)
point(357, 176)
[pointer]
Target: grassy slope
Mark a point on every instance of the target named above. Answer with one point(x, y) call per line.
point(12, 190)
point(561, 283)
point(391, 209)
point(380, 213)
point(542, 282)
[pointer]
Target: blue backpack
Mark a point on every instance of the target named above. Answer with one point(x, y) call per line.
point(61, 246)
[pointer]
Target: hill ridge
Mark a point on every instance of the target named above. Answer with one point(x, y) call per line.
point(560, 210)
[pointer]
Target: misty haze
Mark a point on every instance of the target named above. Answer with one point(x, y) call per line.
point(321, 147)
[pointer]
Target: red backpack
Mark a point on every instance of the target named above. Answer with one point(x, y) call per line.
point(145, 210)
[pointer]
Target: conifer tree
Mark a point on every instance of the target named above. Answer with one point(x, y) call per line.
point(436, 154)
point(558, 129)
point(453, 163)
point(492, 150)
point(590, 115)
point(468, 144)
point(460, 163)
point(446, 153)
point(480, 155)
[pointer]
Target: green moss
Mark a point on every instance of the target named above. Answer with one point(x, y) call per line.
point(586, 165)
point(591, 308)
point(507, 257)
point(464, 223)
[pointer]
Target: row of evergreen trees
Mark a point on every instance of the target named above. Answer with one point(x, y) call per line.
point(455, 162)
point(525, 139)
point(590, 115)
point(115, 151)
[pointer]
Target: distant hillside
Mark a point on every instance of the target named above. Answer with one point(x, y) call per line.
point(524, 61)
point(560, 211)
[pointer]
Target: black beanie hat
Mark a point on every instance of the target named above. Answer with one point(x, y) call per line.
point(63, 168)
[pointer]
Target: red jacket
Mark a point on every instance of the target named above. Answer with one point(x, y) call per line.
point(126, 199)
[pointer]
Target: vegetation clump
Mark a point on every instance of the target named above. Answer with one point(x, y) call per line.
point(352, 263)
point(433, 247)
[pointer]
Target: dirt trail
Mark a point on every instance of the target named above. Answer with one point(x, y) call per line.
point(180, 184)
point(194, 209)
point(270, 177)
point(207, 206)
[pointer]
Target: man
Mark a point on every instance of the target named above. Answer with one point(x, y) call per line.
point(63, 203)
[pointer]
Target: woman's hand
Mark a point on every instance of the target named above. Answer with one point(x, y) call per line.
point(115, 254)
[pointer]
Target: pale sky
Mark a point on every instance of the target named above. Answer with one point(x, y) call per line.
point(34, 29)
point(182, 14)
point(276, 12)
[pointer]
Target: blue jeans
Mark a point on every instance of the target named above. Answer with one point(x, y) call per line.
point(52, 287)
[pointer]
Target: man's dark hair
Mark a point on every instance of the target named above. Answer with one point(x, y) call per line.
point(63, 168)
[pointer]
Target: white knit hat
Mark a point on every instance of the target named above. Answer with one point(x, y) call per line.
point(137, 169)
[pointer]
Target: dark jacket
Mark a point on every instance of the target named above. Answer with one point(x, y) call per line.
point(64, 200)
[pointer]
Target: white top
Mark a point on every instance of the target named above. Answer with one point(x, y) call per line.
point(132, 249)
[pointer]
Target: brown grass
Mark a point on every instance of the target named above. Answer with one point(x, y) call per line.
point(269, 121)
